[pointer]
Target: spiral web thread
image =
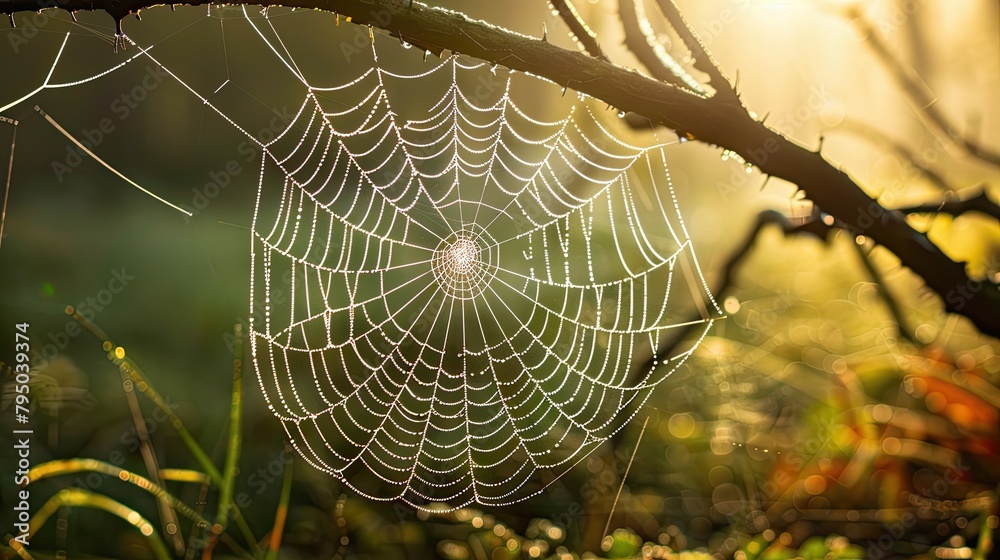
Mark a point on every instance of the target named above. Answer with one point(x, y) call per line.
point(470, 287)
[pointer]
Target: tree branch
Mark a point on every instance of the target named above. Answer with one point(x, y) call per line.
point(816, 225)
point(979, 203)
point(579, 28)
point(710, 120)
point(902, 325)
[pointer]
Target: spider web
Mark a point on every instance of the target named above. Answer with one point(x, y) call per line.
point(471, 285)
point(477, 290)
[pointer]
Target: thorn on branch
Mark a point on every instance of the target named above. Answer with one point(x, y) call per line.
point(12, 24)
point(545, 33)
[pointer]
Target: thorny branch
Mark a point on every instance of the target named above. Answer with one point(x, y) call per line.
point(816, 225)
point(719, 120)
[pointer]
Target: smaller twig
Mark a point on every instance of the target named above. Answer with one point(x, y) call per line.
point(167, 516)
point(978, 203)
point(199, 508)
point(10, 169)
point(699, 53)
point(902, 325)
point(901, 150)
point(641, 43)
point(812, 225)
point(581, 31)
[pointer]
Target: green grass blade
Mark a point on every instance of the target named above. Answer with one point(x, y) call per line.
point(116, 355)
point(79, 498)
point(233, 453)
point(17, 547)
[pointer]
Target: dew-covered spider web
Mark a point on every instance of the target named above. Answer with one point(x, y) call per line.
point(481, 273)
point(471, 285)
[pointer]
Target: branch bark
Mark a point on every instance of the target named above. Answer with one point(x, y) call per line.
point(716, 121)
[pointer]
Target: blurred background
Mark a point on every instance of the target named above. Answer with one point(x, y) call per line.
point(820, 419)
